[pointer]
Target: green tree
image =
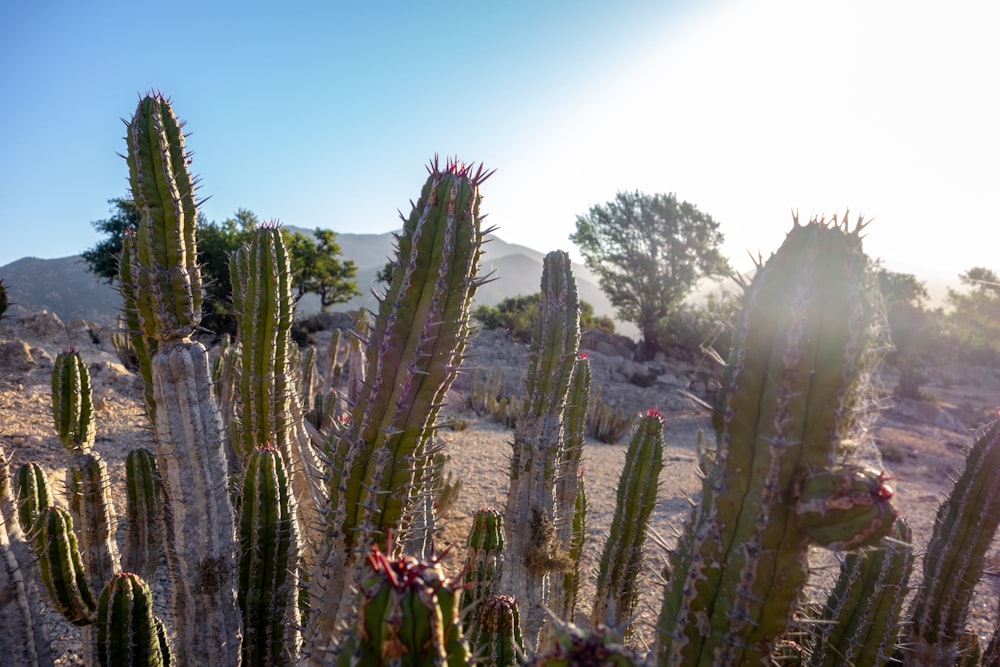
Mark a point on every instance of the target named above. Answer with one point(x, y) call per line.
point(973, 320)
point(318, 269)
point(648, 252)
point(915, 331)
point(216, 242)
point(103, 257)
point(517, 314)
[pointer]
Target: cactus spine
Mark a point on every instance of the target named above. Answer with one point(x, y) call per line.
point(32, 493)
point(127, 631)
point(531, 514)
point(789, 403)
point(965, 525)
point(200, 527)
point(498, 633)
point(61, 567)
point(621, 561)
point(415, 348)
point(144, 510)
point(72, 404)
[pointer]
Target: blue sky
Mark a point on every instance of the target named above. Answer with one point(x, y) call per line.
point(326, 113)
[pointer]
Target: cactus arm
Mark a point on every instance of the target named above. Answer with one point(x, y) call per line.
point(31, 492)
point(72, 403)
point(415, 349)
point(62, 568)
point(622, 558)
point(483, 567)
point(144, 514)
point(127, 632)
point(963, 531)
point(531, 514)
point(26, 640)
point(143, 347)
point(93, 513)
point(860, 622)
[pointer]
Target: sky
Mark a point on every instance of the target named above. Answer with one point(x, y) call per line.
point(324, 114)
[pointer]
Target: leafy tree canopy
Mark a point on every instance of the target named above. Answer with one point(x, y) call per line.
point(648, 252)
point(973, 320)
point(518, 314)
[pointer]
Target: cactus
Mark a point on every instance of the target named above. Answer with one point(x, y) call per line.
point(860, 621)
point(144, 510)
point(72, 403)
point(32, 493)
point(61, 567)
point(26, 642)
point(965, 525)
point(141, 347)
point(167, 293)
point(127, 632)
point(575, 646)
point(483, 565)
point(93, 513)
point(415, 348)
point(267, 572)
point(789, 403)
point(407, 615)
point(531, 513)
point(498, 633)
point(622, 558)
point(607, 424)
point(577, 544)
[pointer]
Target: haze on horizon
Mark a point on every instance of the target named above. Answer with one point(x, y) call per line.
point(325, 116)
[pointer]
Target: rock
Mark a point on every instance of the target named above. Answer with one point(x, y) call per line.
point(608, 344)
point(15, 356)
point(43, 325)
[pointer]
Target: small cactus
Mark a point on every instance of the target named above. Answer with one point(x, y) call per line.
point(483, 566)
point(498, 633)
point(61, 566)
point(407, 615)
point(128, 634)
point(32, 493)
point(72, 402)
point(144, 512)
point(575, 647)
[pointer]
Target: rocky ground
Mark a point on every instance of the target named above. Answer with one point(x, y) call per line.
point(921, 443)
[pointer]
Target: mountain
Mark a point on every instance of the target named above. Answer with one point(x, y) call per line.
point(66, 287)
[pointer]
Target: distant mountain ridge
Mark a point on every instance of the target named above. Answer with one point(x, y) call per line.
point(66, 287)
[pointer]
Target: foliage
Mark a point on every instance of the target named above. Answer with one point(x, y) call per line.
point(973, 321)
point(648, 252)
point(102, 258)
point(699, 327)
point(517, 315)
point(915, 332)
point(317, 269)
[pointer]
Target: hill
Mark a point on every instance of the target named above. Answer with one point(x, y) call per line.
point(65, 286)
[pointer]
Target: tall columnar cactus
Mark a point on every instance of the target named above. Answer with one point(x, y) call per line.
point(72, 402)
point(407, 615)
point(144, 513)
point(859, 624)
point(963, 531)
point(786, 414)
point(536, 560)
point(144, 348)
point(497, 640)
point(622, 558)
point(414, 351)
point(128, 634)
point(268, 584)
point(200, 528)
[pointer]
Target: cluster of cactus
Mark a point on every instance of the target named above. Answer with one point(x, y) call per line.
point(485, 397)
point(320, 470)
point(606, 423)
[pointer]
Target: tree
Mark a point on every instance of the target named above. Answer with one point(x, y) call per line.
point(318, 269)
point(915, 333)
point(648, 252)
point(103, 257)
point(974, 318)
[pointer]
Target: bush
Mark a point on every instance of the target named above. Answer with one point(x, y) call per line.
point(517, 314)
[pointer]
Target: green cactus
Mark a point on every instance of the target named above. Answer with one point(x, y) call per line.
point(963, 531)
point(127, 632)
point(607, 424)
point(577, 545)
point(859, 624)
point(89, 494)
point(622, 558)
point(32, 492)
point(483, 566)
point(72, 402)
point(498, 633)
point(575, 647)
point(268, 553)
point(787, 411)
point(167, 293)
point(61, 566)
point(144, 512)
point(141, 347)
point(26, 641)
point(414, 351)
point(407, 615)
point(531, 513)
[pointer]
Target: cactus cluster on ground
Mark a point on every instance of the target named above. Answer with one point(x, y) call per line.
point(297, 506)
